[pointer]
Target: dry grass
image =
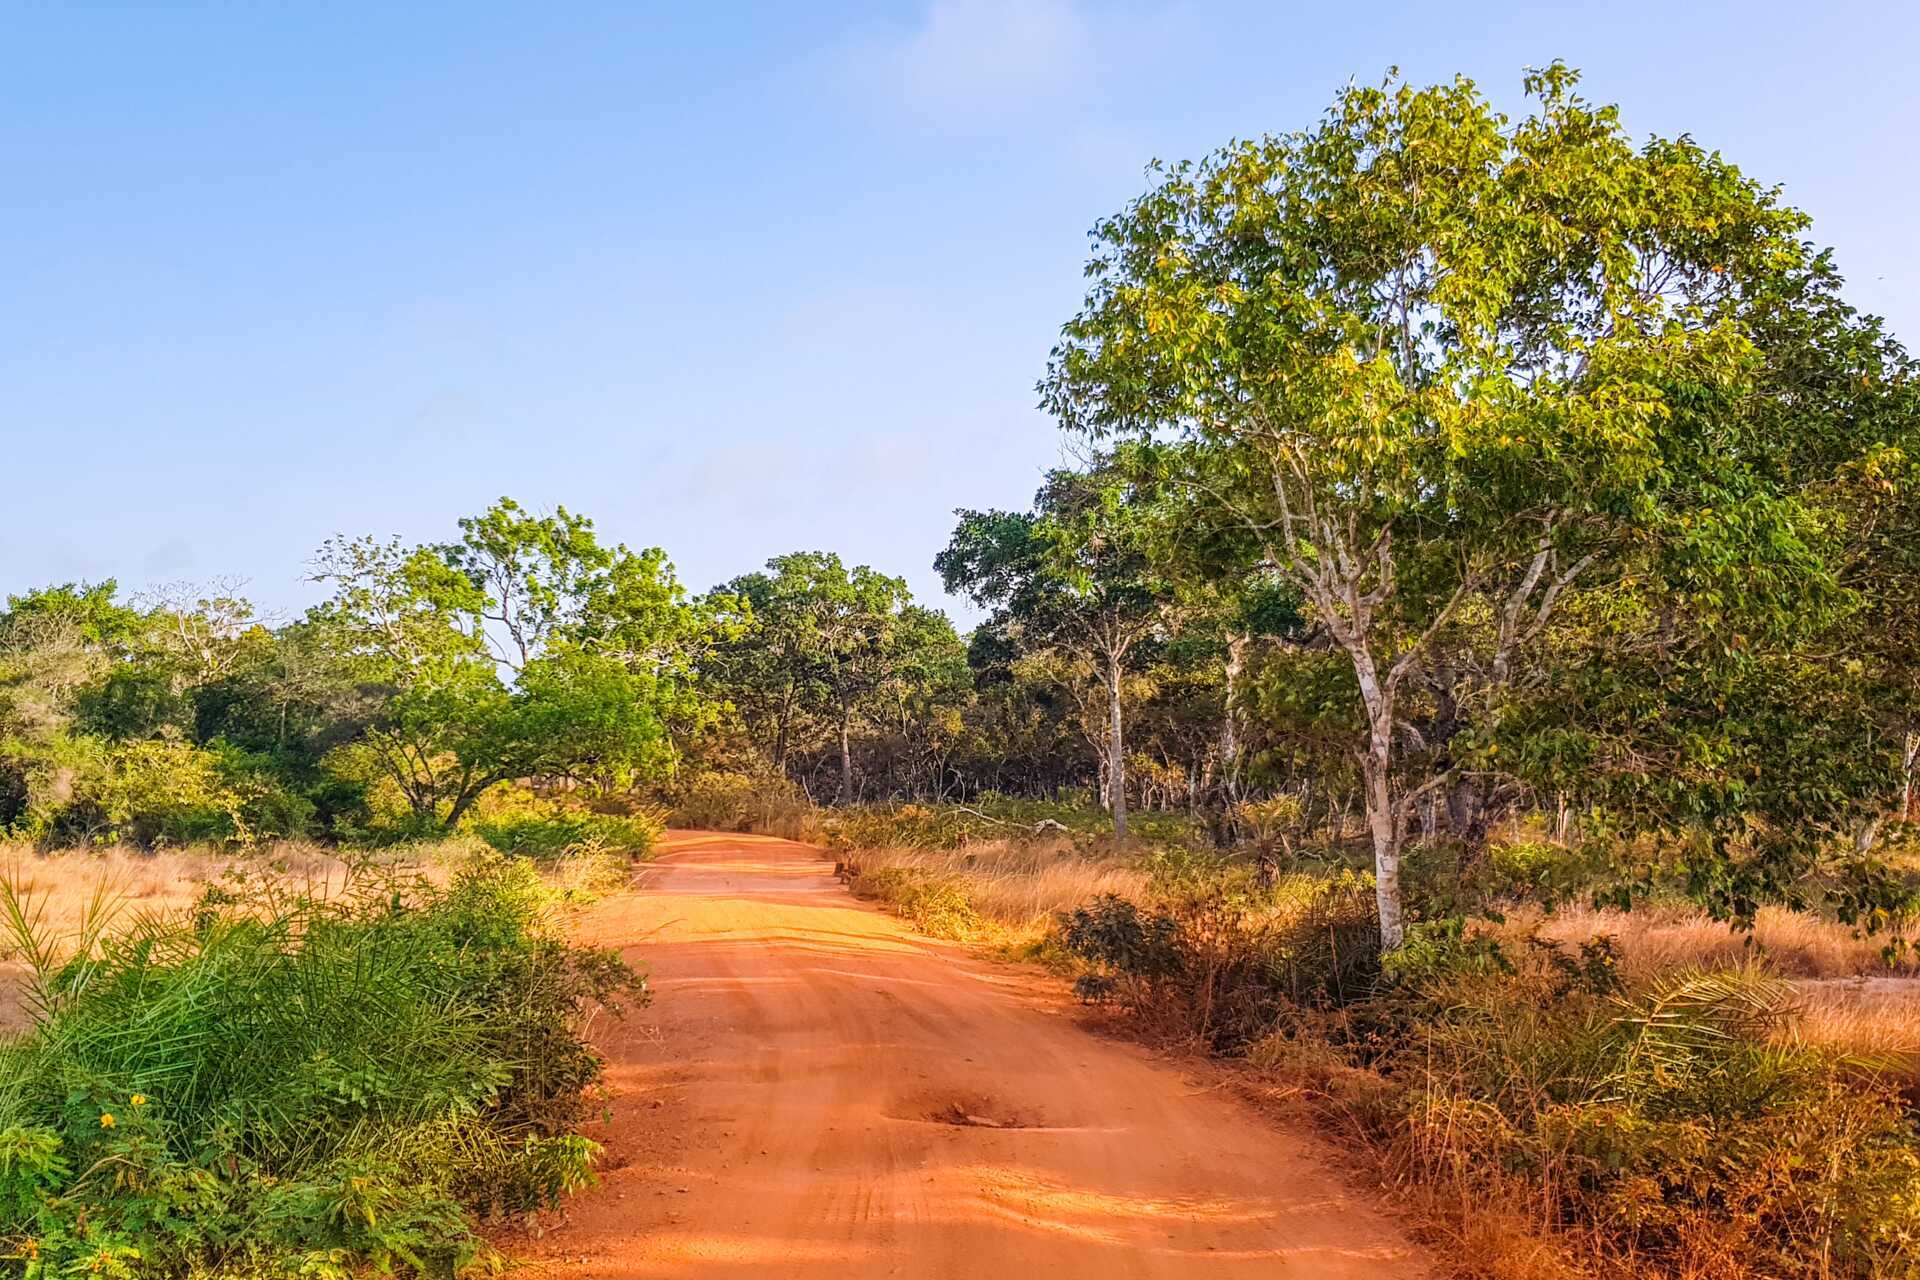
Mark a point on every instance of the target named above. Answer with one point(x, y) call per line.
point(1020, 884)
point(1874, 1017)
point(62, 889)
point(1654, 940)
point(1855, 999)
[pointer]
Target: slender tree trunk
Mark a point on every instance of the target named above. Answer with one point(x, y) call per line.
point(1912, 758)
point(1376, 768)
point(1386, 848)
point(1116, 750)
point(1467, 817)
point(780, 738)
point(846, 758)
point(1230, 721)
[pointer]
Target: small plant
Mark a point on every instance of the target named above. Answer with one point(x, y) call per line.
point(1130, 952)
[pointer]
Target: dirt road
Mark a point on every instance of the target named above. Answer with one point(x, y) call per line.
point(818, 1092)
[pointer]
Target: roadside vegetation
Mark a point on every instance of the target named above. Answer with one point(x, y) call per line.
point(1558, 1090)
point(295, 1079)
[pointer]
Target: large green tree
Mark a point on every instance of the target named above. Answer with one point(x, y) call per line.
point(830, 665)
point(1076, 575)
point(1463, 375)
point(819, 639)
point(600, 642)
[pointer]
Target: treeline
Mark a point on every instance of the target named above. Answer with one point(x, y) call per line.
point(528, 651)
point(524, 650)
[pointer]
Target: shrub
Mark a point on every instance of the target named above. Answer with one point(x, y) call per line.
point(282, 1083)
point(722, 800)
point(936, 905)
point(521, 823)
point(1124, 947)
point(160, 793)
point(1216, 963)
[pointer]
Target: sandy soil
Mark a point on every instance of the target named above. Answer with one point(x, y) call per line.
point(817, 1091)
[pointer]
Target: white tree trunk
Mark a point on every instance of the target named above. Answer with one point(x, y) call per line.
point(1386, 850)
point(1383, 824)
point(1116, 751)
point(1911, 759)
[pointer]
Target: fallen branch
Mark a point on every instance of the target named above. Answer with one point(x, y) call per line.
point(1045, 824)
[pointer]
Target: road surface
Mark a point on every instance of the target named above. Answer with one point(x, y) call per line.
point(817, 1091)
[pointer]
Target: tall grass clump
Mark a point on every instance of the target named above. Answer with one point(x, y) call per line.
point(761, 803)
point(278, 1082)
point(1019, 884)
point(1683, 1127)
point(934, 904)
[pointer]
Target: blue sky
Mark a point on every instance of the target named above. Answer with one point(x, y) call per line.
point(732, 279)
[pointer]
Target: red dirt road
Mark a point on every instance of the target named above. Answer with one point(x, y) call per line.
point(818, 1092)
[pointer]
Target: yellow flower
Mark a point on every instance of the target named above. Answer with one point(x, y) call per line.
point(30, 1248)
point(138, 1099)
point(106, 1120)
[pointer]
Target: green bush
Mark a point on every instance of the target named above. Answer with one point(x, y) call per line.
point(1219, 960)
point(158, 793)
point(275, 1083)
point(935, 905)
point(531, 827)
point(1125, 947)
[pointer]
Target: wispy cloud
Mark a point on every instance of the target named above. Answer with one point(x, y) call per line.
point(988, 59)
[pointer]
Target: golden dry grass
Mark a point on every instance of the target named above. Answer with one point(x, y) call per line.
point(1876, 1017)
point(1020, 884)
point(59, 890)
point(1796, 944)
point(1856, 999)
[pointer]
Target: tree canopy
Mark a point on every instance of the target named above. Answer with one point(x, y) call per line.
point(1467, 378)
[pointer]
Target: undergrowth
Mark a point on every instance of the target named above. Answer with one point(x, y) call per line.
point(275, 1082)
point(543, 831)
point(1557, 1118)
point(992, 818)
point(761, 803)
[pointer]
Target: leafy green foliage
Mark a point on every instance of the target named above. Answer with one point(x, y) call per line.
point(816, 649)
point(275, 1081)
point(528, 826)
point(1536, 421)
point(1075, 583)
point(935, 905)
